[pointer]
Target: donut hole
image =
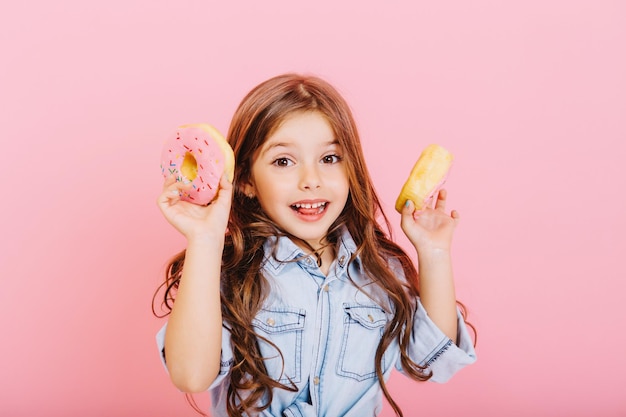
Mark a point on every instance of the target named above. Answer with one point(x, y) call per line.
point(189, 167)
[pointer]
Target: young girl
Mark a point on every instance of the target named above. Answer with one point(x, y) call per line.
point(291, 299)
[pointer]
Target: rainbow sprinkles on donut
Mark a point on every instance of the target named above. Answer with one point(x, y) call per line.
point(198, 154)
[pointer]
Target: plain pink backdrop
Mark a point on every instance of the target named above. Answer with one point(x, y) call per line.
point(529, 95)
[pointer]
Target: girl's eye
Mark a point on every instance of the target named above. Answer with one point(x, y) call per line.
point(282, 162)
point(331, 159)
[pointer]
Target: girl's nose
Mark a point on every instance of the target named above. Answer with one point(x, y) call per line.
point(310, 178)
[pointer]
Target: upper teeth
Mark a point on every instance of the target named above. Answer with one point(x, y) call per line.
point(309, 205)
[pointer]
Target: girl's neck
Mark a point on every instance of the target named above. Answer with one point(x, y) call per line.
point(325, 255)
point(325, 258)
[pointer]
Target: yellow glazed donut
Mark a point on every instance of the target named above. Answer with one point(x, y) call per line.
point(198, 154)
point(427, 176)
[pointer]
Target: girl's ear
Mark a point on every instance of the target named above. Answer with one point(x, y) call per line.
point(248, 190)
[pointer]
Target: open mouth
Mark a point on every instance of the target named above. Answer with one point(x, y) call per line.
point(309, 208)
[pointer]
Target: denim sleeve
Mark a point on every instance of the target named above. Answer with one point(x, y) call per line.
point(226, 358)
point(430, 347)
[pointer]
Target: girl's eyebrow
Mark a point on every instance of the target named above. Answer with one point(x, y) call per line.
point(267, 148)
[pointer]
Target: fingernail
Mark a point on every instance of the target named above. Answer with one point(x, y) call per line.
point(406, 204)
point(174, 192)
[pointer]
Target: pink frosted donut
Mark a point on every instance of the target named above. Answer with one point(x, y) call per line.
point(198, 154)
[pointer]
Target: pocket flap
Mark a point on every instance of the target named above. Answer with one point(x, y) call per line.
point(275, 320)
point(370, 316)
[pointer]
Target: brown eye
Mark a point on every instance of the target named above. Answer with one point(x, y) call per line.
point(282, 162)
point(331, 159)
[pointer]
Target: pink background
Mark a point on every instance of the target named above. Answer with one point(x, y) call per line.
point(529, 95)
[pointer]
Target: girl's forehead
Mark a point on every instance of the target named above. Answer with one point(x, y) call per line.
point(301, 127)
point(310, 124)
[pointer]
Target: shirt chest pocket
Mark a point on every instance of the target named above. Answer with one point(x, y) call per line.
point(363, 327)
point(283, 327)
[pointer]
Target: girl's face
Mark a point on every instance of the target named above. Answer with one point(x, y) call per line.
point(299, 177)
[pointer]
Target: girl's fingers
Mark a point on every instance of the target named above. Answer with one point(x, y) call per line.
point(408, 208)
point(440, 204)
point(169, 180)
point(169, 196)
point(171, 191)
point(225, 184)
point(224, 192)
point(409, 212)
point(455, 215)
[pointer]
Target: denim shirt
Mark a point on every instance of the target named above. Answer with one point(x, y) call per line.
point(327, 330)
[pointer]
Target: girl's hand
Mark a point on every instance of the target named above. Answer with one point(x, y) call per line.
point(192, 220)
point(430, 230)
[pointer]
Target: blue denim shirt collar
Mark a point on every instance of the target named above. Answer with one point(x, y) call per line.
point(287, 251)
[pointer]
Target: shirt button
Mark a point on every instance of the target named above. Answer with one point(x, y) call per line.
point(316, 380)
point(369, 316)
point(309, 261)
point(326, 288)
point(342, 259)
point(270, 321)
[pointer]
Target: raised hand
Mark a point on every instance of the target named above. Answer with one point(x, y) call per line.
point(192, 220)
point(431, 228)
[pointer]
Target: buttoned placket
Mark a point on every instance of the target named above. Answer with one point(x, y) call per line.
point(322, 321)
point(321, 326)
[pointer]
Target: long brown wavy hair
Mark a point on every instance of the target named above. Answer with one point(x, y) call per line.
point(243, 285)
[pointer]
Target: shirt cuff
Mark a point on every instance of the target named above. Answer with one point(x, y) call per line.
point(226, 356)
point(430, 347)
point(160, 340)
